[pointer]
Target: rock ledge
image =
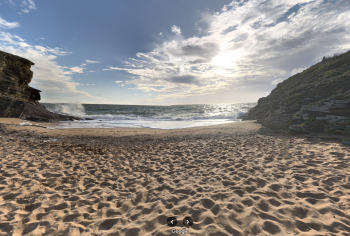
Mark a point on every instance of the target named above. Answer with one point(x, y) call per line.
point(316, 100)
point(17, 98)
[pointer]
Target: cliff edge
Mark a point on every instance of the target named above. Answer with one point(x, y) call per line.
point(316, 100)
point(17, 98)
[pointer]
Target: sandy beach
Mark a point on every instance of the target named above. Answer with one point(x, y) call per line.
point(128, 181)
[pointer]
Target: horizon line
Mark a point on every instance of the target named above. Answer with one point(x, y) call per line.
point(144, 105)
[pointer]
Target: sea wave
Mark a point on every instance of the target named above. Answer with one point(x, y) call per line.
point(111, 117)
point(71, 109)
point(158, 117)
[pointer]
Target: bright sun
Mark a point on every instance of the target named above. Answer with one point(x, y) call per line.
point(224, 60)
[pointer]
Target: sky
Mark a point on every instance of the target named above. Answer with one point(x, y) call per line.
point(158, 52)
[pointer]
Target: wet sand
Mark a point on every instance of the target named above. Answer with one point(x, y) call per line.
point(228, 178)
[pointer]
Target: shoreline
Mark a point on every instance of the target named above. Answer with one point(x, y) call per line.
point(127, 181)
point(40, 128)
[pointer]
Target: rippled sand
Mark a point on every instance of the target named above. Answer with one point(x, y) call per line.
point(228, 178)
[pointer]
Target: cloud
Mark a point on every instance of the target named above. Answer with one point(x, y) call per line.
point(176, 30)
point(161, 34)
point(49, 76)
point(77, 69)
point(11, 2)
point(88, 61)
point(41, 38)
point(120, 83)
point(91, 71)
point(183, 79)
point(114, 68)
point(27, 6)
point(207, 50)
point(276, 81)
point(247, 45)
point(8, 25)
point(196, 27)
point(296, 71)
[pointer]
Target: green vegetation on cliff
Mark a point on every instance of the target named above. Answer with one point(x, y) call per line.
point(318, 95)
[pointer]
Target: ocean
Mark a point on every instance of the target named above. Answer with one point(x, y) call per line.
point(156, 117)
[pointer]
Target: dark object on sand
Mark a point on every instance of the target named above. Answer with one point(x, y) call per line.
point(3, 129)
point(17, 98)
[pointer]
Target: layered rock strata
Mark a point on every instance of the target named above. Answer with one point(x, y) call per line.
point(316, 100)
point(17, 98)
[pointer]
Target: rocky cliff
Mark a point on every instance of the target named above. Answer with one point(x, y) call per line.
point(316, 100)
point(17, 98)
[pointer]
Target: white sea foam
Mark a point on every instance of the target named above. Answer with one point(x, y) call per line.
point(156, 117)
point(25, 123)
point(165, 124)
point(72, 109)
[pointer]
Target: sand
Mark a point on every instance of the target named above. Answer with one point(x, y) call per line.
point(228, 178)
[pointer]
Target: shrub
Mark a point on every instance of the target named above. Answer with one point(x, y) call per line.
point(309, 121)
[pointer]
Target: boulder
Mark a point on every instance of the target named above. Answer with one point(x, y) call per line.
point(346, 142)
